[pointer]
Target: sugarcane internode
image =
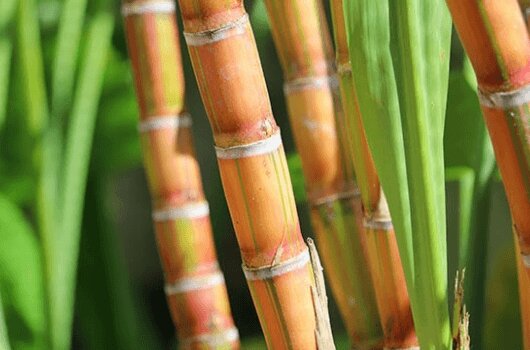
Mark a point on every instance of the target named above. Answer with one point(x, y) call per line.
point(177, 121)
point(195, 287)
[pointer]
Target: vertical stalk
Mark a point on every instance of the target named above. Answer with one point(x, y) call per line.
point(495, 37)
point(195, 288)
point(303, 43)
point(253, 171)
point(384, 259)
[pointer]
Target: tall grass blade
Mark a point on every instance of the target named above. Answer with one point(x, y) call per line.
point(66, 55)
point(76, 161)
point(30, 62)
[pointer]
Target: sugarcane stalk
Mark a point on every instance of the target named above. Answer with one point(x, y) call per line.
point(253, 171)
point(495, 37)
point(384, 260)
point(195, 287)
point(303, 43)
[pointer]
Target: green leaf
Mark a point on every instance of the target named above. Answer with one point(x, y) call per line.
point(467, 144)
point(125, 325)
point(21, 279)
point(8, 9)
point(459, 239)
point(377, 94)
point(31, 65)
point(117, 127)
point(76, 161)
point(66, 54)
point(400, 58)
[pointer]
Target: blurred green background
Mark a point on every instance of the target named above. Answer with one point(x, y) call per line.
point(119, 297)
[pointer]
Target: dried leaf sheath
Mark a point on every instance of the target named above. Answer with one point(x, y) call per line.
point(253, 170)
point(384, 260)
point(303, 44)
point(195, 287)
point(495, 37)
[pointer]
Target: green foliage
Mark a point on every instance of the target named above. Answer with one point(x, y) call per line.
point(21, 280)
point(399, 53)
point(467, 144)
point(116, 137)
point(76, 161)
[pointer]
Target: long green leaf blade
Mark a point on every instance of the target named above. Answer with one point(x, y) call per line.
point(66, 55)
point(31, 64)
point(76, 161)
point(422, 94)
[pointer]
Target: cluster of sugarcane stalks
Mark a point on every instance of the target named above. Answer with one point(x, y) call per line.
point(349, 209)
point(495, 37)
point(195, 287)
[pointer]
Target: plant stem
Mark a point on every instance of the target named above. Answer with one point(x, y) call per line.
point(253, 170)
point(181, 219)
point(303, 44)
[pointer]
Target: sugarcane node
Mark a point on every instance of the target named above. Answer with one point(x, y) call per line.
point(330, 199)
point(252, 149)
point(182, 120)
point(270, 271)
point(140, 8)
point(526, 260)
point(223, 32)
point(188, 284)
point(379, 219)
point(187, 211)
point(372, 224)
point(308, 83)
point(212, 340)
point(505, 99)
